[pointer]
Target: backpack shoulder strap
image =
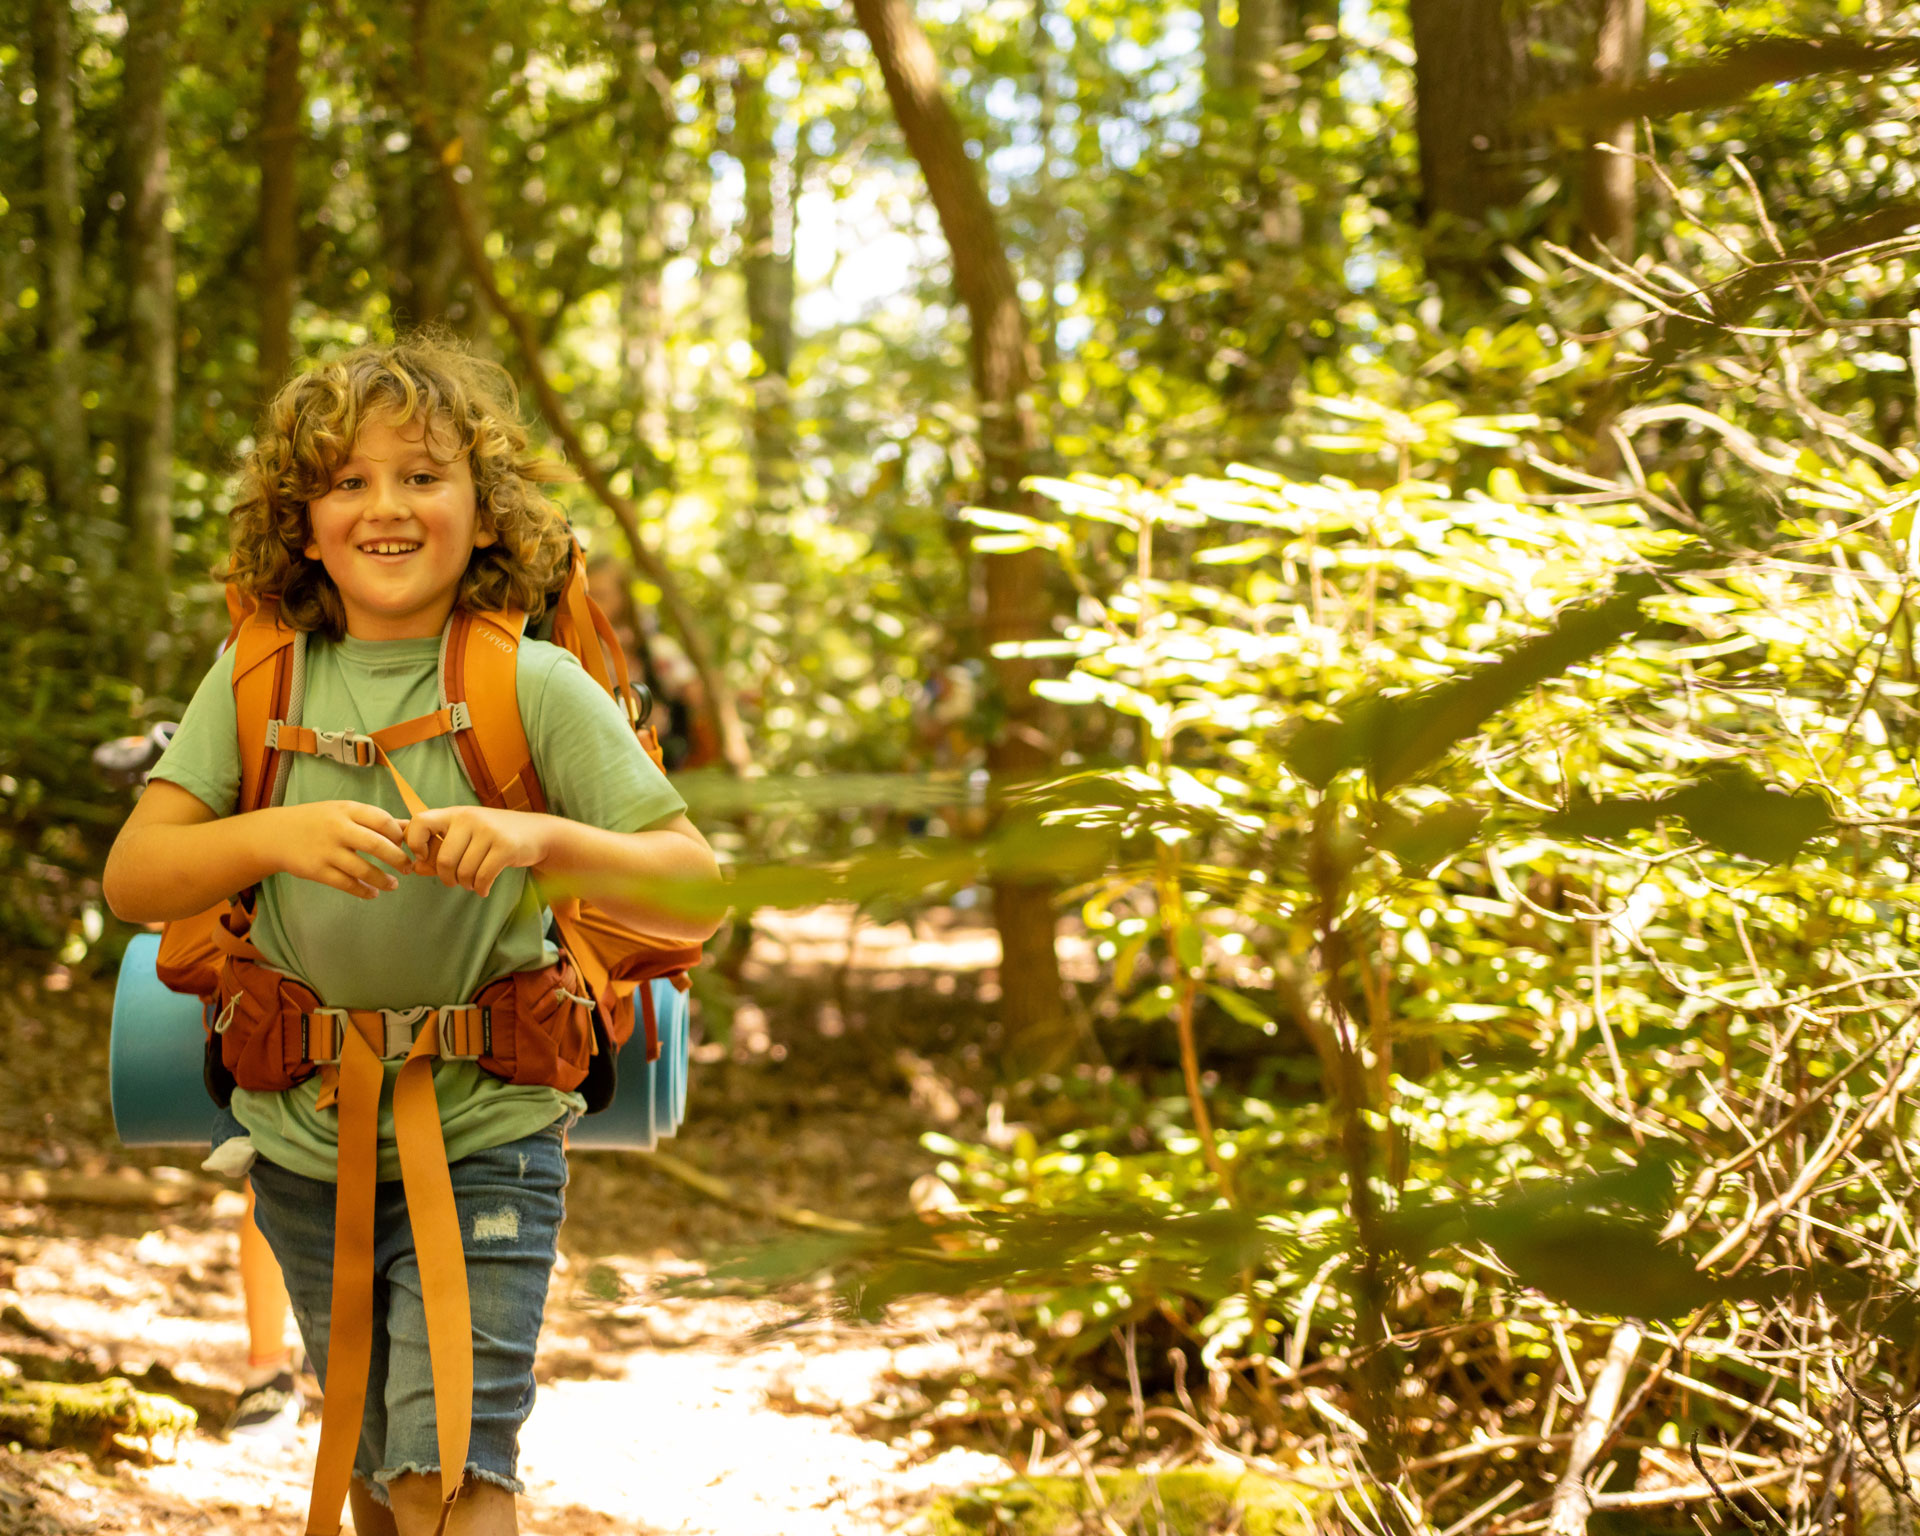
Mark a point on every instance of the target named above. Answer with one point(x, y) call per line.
point(267, 653)
point(479, 667)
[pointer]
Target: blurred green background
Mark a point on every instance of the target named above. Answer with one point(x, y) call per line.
point(1394, 520)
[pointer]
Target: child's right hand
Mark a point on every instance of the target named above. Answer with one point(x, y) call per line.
point(335, 843)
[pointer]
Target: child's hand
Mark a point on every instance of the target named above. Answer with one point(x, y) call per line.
point(334, 843)
point(475, 843)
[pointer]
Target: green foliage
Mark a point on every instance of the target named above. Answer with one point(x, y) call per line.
point(1191, 1501)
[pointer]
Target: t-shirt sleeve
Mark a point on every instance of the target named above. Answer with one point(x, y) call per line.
point(204, 758)
point(590, 766)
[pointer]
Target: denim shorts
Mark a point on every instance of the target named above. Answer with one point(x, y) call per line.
point(510, 1202)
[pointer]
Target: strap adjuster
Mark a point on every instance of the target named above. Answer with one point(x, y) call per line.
point(466, 1031)
point(323, 1035)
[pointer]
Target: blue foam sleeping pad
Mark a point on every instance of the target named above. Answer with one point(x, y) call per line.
point(157, 1052)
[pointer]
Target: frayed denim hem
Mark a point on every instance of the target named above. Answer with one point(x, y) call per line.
point(375, 1490)
point(387, 1475)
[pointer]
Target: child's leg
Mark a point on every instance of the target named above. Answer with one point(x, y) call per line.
point(266, 1294)
point(483, 1509)
point(371, 1518)
point(295, 1215)
point(509, 1200)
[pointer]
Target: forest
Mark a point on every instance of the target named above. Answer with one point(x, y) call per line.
point(1363, 554)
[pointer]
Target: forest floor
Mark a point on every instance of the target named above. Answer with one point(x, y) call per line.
point(656, 1413)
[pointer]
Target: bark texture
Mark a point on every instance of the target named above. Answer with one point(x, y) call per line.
point(427, 276)
point(768, 265)
point(647, 380)
point(1040, 1034)
point(64, 432)
point(147, 248)
point(1481, 64)
point(280, 104)
point(1608, 193)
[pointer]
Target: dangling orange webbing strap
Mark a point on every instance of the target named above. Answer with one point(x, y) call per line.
point(350, 1325)
point(435, 1220)
point(442, 1259)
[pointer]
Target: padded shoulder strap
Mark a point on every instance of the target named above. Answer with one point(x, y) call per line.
point(479, 667)
point(265, 652)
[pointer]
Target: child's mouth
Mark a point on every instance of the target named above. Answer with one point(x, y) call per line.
point(389, 549)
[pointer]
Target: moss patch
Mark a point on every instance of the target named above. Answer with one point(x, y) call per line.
point(97, 1416)
point(1193, 1501)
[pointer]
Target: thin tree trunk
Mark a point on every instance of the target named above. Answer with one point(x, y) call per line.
point(1216, 47)
point(446, 155)
point(427, 276)
point(646, 375)
point(64, 435)
point(1479, 65)
point(1608, 200)
point(280, 106)
point(1257, 35)
point(768, 265)
point(147, 246)
point(1038, 1029)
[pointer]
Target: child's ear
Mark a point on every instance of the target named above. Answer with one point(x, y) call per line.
point(483, 536)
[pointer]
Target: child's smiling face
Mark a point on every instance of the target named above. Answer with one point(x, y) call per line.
point(396, 530)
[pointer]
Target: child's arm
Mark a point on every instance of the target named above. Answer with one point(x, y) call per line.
point(478, 842)
point(176, 856)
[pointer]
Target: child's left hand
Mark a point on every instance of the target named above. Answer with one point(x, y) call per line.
point(469, 845)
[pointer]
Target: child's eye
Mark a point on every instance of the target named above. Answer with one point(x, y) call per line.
point(348, 483)
point(422, 477)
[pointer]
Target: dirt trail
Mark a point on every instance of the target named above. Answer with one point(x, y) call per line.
point(655, 1414)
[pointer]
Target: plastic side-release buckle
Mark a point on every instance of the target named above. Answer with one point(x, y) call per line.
point(459, 716)
point(402, 1026)
point(347, 747)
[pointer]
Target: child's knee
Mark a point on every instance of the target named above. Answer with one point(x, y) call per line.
point(485, 1508)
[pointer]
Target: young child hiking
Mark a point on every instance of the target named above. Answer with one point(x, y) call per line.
point(402, 1038)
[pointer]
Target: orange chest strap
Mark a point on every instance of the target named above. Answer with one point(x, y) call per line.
point(358, 749)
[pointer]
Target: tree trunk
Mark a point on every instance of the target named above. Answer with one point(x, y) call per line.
point(280, 106)
point(768, 264)
point(147, 246)
point(428, 280)
point(1039, 1032)
point(1480, 64)
point(1263, 26)
point(1608, 202)
point(64, 433)
point(646, 375)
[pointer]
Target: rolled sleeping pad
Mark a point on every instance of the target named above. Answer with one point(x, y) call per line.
point(157, 1051)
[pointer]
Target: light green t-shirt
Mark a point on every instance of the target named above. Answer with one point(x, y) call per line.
point(422, 943)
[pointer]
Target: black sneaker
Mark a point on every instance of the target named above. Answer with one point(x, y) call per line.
point(270, 1411)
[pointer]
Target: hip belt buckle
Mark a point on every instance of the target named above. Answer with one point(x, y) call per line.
point(402, 1026)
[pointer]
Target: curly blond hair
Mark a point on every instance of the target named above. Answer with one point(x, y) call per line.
point(467, 406)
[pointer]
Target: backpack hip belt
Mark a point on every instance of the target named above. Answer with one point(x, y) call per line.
point(530, 1027)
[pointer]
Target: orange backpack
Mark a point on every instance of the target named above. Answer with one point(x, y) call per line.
point(561, 1026)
